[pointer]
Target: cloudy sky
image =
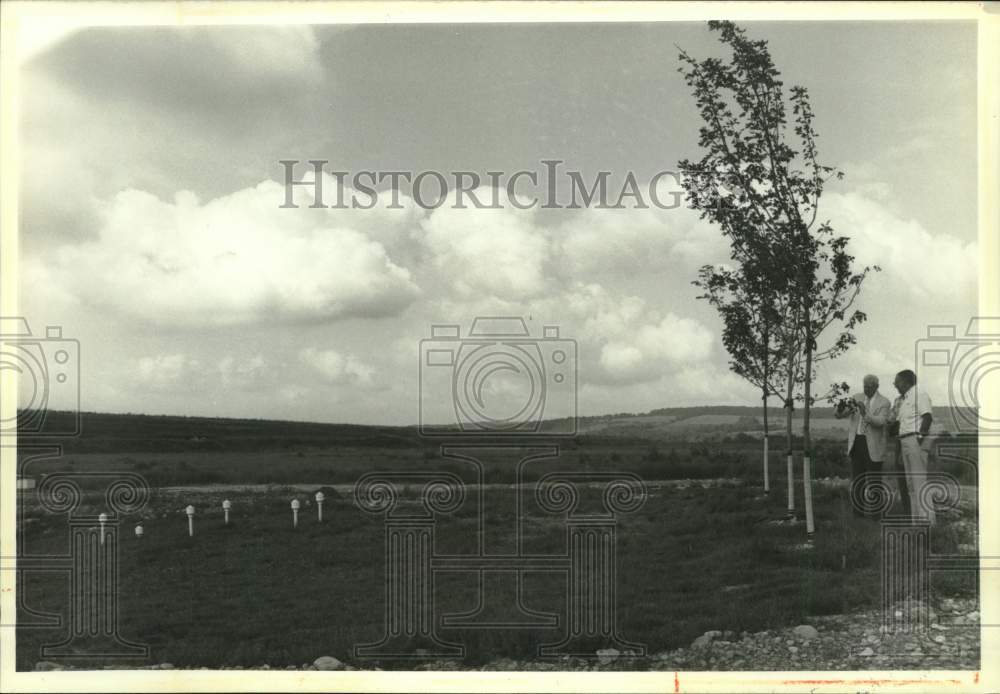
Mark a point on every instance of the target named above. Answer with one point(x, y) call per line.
point(151, 226)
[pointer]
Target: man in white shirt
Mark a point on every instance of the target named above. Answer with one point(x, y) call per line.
point(912, 410)
point(866, 435)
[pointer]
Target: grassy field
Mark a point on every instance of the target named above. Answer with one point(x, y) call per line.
point(255, 592)
point(259, 592)
point(733, 456)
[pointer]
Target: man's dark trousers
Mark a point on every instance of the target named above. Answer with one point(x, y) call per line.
point(861, 463)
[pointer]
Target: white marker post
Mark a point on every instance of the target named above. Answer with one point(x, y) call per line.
point(190, 513)
point(102, 519)
point(138, 532)
point(319, 505)
point(225, 509)
point(295, 513)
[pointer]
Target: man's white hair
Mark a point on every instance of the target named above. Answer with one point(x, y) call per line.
point(871, 378)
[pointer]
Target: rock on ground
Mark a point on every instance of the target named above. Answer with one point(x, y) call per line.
point(805, 631)
point(47, 666)
point(607, 655)
point(328, 662)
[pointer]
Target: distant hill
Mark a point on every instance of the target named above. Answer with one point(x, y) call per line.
point(713, 422)
point(105, 433)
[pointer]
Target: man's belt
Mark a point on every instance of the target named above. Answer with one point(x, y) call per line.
point(911, 433)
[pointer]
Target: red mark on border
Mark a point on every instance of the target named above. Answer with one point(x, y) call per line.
point(677, 683)
point(874, 682)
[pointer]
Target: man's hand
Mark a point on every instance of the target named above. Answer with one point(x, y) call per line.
point(862, 408)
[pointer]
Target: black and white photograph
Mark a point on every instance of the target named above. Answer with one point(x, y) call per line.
point(556, 347)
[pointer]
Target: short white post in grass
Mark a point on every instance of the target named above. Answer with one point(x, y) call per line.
point(190, 513)
point(102, 519)
point(225, 509)
point(295, 513)
point(319, 505)
point(138, 532)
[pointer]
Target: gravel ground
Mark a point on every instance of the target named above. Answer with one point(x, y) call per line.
point(841, 642)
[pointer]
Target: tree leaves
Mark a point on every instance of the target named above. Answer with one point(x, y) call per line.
point(761, 185)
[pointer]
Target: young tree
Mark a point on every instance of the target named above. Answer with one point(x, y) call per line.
point(750, 309)
point(762, 339)
point(764, 195)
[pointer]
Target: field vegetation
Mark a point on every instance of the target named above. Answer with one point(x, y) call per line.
point(698, 555)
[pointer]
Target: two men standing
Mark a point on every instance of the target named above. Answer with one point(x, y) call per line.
point(879, 430)
point(867, 435)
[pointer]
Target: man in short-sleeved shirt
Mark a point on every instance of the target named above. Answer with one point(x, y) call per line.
point(912, 410)
point(913, 405)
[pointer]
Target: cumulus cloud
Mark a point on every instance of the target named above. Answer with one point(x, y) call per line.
point(616, 241)
point(392, 219)
point(510, 254)
point(917, 265)
point(242, 372)
point(336, 368)
point(601, 312)
point(241, 260)
point(167, 371)
point(674, 343)
point(187, 371)
point(159, 109)
point(234, 260)
point(497, 252)
point(861, 361)
point(625, 340)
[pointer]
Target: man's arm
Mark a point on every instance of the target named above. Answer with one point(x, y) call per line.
point(925, 423)
point(926, 417)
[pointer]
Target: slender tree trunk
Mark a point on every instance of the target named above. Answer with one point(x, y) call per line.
point(789, 405)
point(806, 442)
point(763, 391)
point(767, 478)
